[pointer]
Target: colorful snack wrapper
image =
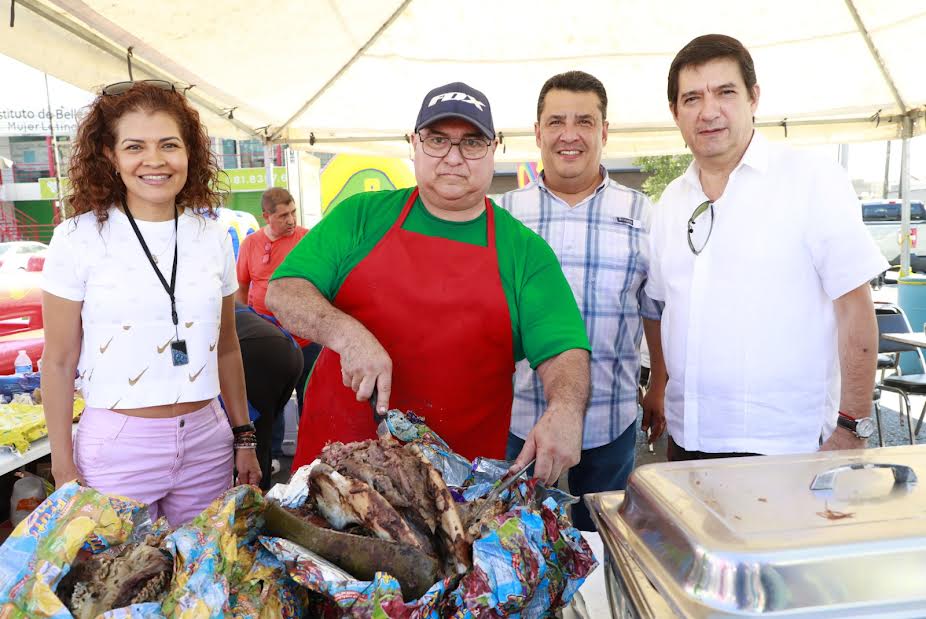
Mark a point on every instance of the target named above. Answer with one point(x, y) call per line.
point(220, 567)
point(20, 424)
point(222, 570)
point(41, 549)
point(528, 563)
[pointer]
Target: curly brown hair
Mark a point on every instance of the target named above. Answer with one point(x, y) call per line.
point(94, 187)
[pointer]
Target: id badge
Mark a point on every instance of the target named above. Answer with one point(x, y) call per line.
point(178, 353)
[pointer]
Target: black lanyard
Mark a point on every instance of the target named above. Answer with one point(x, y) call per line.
point(173, 270)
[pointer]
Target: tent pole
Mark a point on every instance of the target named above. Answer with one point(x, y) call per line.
point(268, 163)
point(87, 35)
point(887, 172)
point(876, 55)
point(905, 195)
point(385, 26)
point(54, 150)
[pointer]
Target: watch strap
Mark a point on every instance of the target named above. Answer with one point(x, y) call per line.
point(855, 425)
point(846, 421)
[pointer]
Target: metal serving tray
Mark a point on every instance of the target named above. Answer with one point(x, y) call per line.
point(830, 534)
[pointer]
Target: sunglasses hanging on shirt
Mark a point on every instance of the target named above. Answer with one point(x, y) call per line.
point(178, 350)
point(700, 226)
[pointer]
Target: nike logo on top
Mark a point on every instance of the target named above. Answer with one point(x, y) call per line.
point(161, 349)
point(105, 346)
point(193, 377)
point(132, 381)
point(456, 96)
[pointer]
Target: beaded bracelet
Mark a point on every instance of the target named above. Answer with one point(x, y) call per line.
point(246, 439)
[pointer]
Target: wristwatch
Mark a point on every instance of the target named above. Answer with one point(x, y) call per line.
point(862, 427)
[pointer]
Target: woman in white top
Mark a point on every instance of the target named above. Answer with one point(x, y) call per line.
point(139, 289)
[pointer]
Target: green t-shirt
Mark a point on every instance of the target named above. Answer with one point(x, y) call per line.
point(545, 319)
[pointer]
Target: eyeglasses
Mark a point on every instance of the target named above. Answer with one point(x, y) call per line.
point(700, 226)
point(122, 87)
point(440, 145)
point(266, 257)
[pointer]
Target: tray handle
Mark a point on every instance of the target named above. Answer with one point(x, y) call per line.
point(827, 479)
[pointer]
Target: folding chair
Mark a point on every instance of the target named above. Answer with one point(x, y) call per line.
point(888, 360)
point(891, 319)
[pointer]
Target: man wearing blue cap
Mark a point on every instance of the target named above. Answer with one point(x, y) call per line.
point(428, 296)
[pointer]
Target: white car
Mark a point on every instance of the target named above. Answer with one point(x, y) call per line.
point(24, 255)
point(882, 218)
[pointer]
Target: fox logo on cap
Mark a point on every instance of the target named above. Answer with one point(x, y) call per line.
point(456, 96)
point(457, 100)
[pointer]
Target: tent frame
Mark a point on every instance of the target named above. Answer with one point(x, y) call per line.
point(270, 135)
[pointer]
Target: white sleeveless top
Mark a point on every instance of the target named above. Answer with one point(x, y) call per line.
point(125, 357)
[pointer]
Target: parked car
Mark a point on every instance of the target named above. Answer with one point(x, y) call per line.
point(882, 218)
point(25, 255)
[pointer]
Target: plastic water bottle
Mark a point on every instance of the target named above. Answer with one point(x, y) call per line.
point(28, 493)
point(23, 363)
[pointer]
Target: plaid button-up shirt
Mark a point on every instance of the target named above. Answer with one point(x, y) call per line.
point(603, 246)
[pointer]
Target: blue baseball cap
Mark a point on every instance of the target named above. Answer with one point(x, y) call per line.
point(457, 100)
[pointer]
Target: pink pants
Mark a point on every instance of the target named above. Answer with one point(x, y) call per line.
point(178, 466)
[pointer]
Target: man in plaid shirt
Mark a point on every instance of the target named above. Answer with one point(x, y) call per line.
point(599, 230)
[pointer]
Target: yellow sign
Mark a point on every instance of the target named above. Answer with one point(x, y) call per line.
point(346, 175)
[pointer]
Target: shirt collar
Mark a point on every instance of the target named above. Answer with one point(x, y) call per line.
point(755, 157)
point(605, 181)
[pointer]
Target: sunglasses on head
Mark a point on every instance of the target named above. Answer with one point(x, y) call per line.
point(119, 88)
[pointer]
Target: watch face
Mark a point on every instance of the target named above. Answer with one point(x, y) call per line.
point(865, 427)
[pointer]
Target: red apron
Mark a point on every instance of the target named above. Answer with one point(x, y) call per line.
point(438, 308)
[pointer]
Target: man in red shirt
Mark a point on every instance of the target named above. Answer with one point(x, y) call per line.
point(262, 252)
point(259, 256)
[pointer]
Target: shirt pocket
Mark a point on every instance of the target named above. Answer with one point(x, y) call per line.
point(616, 264)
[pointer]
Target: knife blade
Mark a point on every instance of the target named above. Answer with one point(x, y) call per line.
point(496, 492)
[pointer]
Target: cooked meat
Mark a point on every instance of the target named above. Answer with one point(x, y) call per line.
point(391, 472)
point(474, 527)
point(458, 545)
point(402, 475)
point(346, 500)
point(128, 574)
point(309, 513)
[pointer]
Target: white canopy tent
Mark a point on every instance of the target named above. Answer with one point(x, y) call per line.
point(349, 75)
point(353, 72)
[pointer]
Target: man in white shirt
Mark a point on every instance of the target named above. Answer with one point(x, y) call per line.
point(599, 231)
point(762, 260)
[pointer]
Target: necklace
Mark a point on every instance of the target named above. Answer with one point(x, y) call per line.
point(170, 242)
point(155, 255)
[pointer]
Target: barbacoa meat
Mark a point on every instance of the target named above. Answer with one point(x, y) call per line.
point(115, 578)
point(413, 489)
point(344, 500)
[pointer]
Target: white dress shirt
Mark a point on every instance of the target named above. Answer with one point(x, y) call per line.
point(749, 329)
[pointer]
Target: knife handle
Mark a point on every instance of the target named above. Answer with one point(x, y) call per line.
point(377, 416)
